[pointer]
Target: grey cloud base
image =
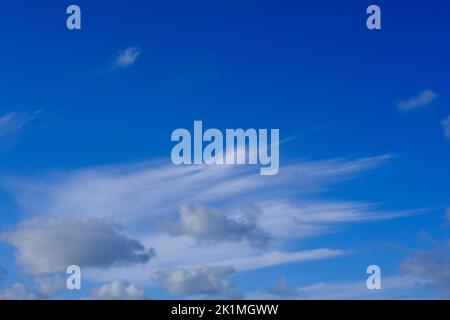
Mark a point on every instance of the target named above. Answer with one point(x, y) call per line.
point(45, 246)
point(208, 225)
point(208, 281)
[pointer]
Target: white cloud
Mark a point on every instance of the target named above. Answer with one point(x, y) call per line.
point(134, 192)
point(46, 246)
point(200, 281)
point(13, 121)
point(141, 195)
point(180, 251)
point(118, 290)
point(47, 286)
point(420, 101)
point(275, 257)
point(446, 126)
point(208, 225)
point(127, 57)
point(287, 219)
point(17, 291)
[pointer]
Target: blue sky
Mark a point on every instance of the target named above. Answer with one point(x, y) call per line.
point(85, 148)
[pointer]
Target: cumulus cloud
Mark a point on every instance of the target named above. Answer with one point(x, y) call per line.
point(47, 286)
point(446, 126)
point(50, 245)
point(118, 290)
point(17, 291)
point(127, 57)
point(208, 225)
point(14, 121)
point(199, 281)
point(420, 101)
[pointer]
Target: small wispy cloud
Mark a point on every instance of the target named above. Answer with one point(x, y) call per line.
point(432, 265)
point(423, 99)
point(12, 122)
point(446, 126)
point(127, 57)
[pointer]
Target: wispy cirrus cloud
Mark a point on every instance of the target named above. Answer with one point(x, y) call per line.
point(180, 252)
point(127, 57)
point(132, 192)
point(12, 122)
point(421, 100)
point(398, 286)
point(244, 208)
point(289, 219)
